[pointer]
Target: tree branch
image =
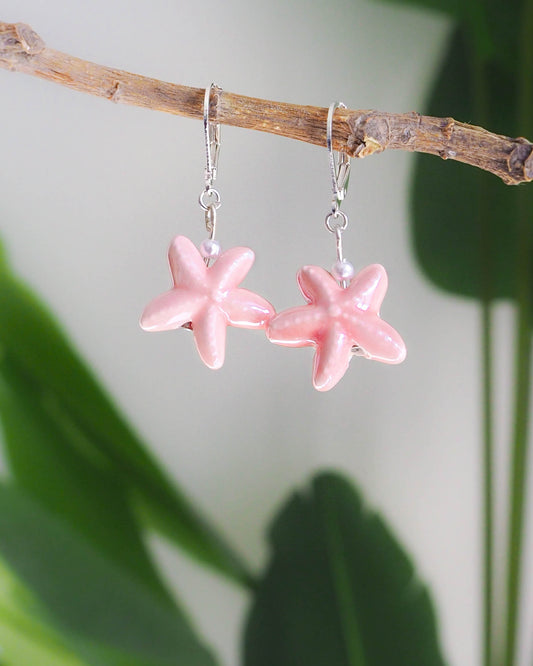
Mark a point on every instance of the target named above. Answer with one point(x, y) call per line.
point(358, 132)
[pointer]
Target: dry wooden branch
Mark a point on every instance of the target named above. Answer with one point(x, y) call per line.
point(357, 132)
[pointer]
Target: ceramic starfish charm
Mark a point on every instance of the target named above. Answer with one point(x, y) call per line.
point(335, 320)
point(207, 298)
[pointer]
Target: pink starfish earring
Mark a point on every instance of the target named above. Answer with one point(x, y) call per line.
point(341, 318)
point(205, 295)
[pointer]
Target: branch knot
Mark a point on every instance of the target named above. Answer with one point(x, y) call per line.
point(18, 40)
point(520, 161)
point(370, 133)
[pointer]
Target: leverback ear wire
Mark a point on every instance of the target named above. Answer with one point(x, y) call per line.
point(212, 140)
point(209, 198)
point(336, 221)
point(340, 168)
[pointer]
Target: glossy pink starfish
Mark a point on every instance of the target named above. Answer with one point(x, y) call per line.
point(207, 298)
point(335, 320)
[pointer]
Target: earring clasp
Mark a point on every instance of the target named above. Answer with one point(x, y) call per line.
point(212, 140)
point(340, 167)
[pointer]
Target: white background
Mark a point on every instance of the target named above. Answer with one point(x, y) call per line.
point(92, 193)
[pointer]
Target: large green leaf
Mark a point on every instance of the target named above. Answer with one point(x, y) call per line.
point(109, 618)
point(36, 346)
point(45, 453)
point(466, 221)
point(339, 589)
point(24, 638)
point(504, 26)
point(476, 14)
point(493, 25)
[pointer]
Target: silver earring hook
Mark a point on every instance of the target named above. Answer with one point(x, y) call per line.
point(212, 140)
point(337, 221)
point(340, 167)
point(209, 198)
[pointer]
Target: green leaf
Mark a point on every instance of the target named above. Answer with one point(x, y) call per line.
point(36, 346)
point(46, 455)
point(465, 221)
point(109, 618)
point(504, 25)
point(338, 589)
point(475, 14)
point(492, 25)
point(24, 638)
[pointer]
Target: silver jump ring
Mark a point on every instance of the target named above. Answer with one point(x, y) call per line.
point(338, 226)
point(209, 193)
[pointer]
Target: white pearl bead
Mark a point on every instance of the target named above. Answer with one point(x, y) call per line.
point(343, 270)
point(209, 249)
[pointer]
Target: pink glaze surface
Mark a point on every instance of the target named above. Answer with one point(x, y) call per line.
point(207, 298)
point(335, 320)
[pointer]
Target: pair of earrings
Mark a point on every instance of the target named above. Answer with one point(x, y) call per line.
point(341, 318)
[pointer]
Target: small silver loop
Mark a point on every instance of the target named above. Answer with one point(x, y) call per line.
point(338, 226)
point(209, 193)
point(340, 168)
point(212, 140)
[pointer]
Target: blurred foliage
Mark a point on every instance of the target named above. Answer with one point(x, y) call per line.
point(473, 236)
point(104, 613)
point(46, 456)
point(78, 585)
point(73, 528)
point(492, 25)
point(45, 377)
point(339, 589)
point(24, 638)
point(465, 221)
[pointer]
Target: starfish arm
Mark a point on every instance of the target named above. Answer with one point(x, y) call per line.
point(368, 288)
point(186, 263)
point(209, 329)
point(170, 310)
point(332, 357)
point(378, 340)
point(295, 327)
point(316, 284)
point(231, 268)
point(247, 309)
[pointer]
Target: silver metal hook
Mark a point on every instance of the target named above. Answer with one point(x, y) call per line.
point(340, 168)
point(212, 140)
point(337, 221)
